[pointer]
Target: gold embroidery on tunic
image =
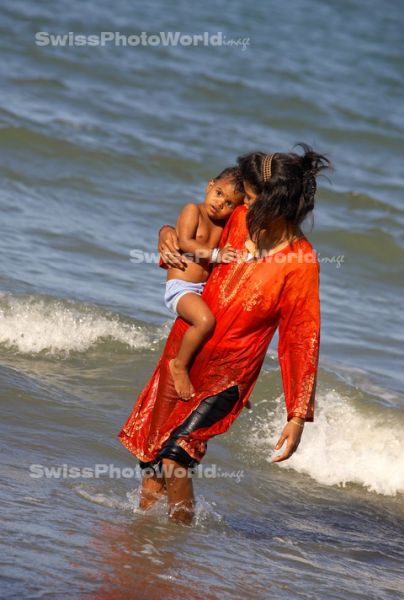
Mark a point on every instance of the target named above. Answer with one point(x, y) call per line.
point(233, 282)
point(254, 296)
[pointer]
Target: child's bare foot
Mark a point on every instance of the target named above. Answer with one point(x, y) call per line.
point(182, 382)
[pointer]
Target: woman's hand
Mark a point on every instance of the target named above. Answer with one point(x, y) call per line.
point(168, 248)
point(291, 434)
point(227, 254)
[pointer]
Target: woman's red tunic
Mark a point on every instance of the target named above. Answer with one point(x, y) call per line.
point(249, 300)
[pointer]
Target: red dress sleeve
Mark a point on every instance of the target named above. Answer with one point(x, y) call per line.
point(299, 339)
point(232, 226)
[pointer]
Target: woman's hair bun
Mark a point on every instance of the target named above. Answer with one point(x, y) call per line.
point(309, 186)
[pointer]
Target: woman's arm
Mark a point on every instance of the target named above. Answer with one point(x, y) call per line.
point(299, 340)
point(298, 350)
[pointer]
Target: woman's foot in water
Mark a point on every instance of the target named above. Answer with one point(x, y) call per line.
point(182, 382)
point(152, 489)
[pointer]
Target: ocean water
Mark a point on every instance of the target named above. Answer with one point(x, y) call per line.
point(99, 146)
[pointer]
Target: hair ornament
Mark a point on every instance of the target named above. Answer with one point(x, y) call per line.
point(267, 167)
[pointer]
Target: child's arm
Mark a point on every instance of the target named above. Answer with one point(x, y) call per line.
point(187, 227)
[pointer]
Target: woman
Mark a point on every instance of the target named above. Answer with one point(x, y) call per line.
point(275, 285)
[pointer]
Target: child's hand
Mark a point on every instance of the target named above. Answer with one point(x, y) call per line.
point(227, 254)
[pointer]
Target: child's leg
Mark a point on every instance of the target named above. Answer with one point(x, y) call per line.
point(153, 487)
point(179, 491)
point(193, 309)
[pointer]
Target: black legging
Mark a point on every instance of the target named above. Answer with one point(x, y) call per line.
point(209, 411)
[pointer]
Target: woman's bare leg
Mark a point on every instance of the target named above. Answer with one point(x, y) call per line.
point(193, 309)
point(153, 488)
point(179, 491)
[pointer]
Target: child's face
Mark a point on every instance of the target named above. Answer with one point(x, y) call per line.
point(221, 199)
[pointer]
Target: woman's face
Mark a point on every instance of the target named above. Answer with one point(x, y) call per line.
point(250, 194)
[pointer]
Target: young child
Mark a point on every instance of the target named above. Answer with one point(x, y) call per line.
point(199, 227)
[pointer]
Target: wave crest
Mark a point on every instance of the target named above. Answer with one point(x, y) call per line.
point(345, 444)
point(32, 324)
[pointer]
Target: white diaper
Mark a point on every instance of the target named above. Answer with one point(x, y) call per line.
point(176, 288)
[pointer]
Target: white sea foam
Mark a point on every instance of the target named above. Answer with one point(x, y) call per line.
point(31, 324)
point(345, 444)
point(109, 500)
point(204, 515)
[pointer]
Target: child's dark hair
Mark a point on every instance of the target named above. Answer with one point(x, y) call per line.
point(234, 175)
point(286, 190)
